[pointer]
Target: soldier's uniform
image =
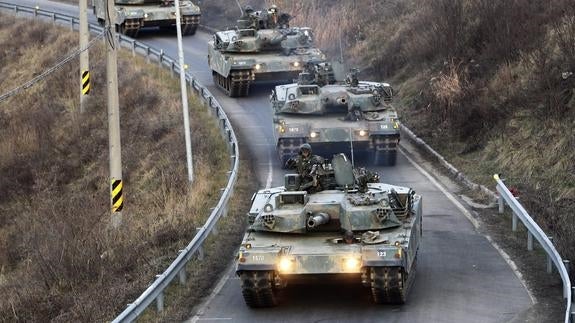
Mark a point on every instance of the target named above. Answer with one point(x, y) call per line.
point(308, 167)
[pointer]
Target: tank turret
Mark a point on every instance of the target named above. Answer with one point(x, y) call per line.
point(332, 113)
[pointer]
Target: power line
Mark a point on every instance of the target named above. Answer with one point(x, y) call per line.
point(51, 70)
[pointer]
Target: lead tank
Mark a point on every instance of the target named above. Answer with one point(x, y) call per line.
point(353, 228)
point(335, 113)
point(262, 47)
point(133, 15)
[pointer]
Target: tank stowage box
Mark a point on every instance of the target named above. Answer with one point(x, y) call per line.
point(262, 47)
point(365, 231)
point(133, 15)
point(335, 116)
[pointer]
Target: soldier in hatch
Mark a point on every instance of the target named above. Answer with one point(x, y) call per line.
point(308, 166)
point(246, 20)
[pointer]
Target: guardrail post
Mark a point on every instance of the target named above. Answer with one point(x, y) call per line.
point(529, 241)
point(71, 24)
point(201, 253)
point(133, 48)
point(182, 276)
point(549, 262)
point(160, 302)
point(53, 18)
point(161, 57)
point(173, 69)
point(35, 11)
point(501, 203)
point(514, 222)
point(148, 55)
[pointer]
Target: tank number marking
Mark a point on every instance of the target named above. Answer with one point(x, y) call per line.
point(383, 126)
point(291, 129)
point(257, 258)
point(381, 253)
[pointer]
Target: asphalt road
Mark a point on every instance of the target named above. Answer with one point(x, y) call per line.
point(461, 277)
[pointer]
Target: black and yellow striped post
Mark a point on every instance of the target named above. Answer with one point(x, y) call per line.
point(117, 197)
point(85, 82)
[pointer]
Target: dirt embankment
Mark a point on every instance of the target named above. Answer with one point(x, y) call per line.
point(60, 260)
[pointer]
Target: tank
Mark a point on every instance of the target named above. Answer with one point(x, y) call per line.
point(335, 113)
point(262, 47)
point(354, 228)
point(133, 15)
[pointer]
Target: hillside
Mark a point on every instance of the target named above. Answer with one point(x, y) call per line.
point(60, 260)
point(489, 84)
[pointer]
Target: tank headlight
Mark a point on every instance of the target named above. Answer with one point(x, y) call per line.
point(268, 208)
point(363, 133)
point(296, 64)
point(313, 134)
point(282, 129)
point(258, 67)
point(145, 15)
point(351, 264)
point(285, 265)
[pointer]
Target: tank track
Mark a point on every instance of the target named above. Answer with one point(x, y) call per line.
point(131, 27)
point(288, 147)
point(237, 84)
point(258, 288)
point(391, 285)
point(385, 149)
point(190, 24)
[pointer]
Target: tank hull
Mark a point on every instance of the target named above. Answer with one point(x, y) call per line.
point(270, 261)
point(243, 69)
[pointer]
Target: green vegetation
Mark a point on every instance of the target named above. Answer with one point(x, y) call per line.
point(59, 258)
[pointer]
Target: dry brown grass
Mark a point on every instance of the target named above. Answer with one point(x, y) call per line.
point(59, 258)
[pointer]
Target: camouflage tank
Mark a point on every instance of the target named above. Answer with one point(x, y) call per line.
point(133, 15)
point(353, 228)
point(331, 115)
point(263, 47)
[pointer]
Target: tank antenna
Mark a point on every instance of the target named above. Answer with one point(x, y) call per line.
point(239, 5)
point(351, 147)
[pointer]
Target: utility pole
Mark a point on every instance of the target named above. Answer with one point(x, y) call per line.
point(116, 184)
point(184, 95)
point(84, 56)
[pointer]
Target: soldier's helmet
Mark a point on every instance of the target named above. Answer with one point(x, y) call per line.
point(303, 147)
point(273, 9)
point(248, 9)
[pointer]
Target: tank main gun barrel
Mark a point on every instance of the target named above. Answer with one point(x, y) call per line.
point(317, 219)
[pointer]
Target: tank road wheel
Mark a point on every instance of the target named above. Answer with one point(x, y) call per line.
point(258, 288)
point(388, 285)
point(385, 150)
point(190, 24)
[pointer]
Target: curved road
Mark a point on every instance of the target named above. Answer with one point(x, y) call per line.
point(461, 277)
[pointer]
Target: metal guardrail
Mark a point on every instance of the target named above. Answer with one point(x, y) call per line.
point(155, 292)
point(533, 230)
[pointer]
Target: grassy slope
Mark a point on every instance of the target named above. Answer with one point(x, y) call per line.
point(60, 260)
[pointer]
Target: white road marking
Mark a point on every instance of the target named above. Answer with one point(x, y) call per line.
point(473, 221)
point(215, 292)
